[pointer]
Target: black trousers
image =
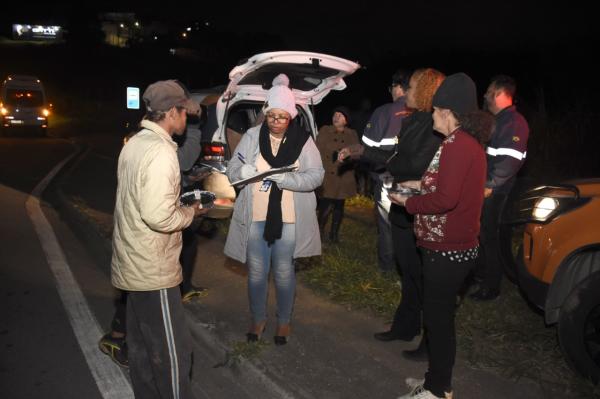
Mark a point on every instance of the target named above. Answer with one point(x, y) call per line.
point(333, 206)
point(489, 266)
point(407, 319)
point(160, 345)
point(189, 249)
point(385, 246)
point(442, 280)
point(119, 321)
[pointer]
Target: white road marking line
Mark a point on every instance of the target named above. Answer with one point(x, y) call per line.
point(111, 381)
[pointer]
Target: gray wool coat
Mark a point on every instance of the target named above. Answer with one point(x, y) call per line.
point(302, 182)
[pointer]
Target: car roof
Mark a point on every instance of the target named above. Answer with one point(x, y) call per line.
point(207, 96)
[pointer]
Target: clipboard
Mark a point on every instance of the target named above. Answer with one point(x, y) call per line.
point(260, 176)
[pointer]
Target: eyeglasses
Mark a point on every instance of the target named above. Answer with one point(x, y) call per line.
point(277, 118)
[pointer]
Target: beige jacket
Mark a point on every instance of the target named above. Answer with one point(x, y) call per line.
point(148, 219)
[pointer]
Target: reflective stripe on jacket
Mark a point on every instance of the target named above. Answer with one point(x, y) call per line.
point(507, 149)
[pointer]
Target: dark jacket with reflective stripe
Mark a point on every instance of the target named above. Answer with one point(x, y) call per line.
point(383, 126)
point(506, 150)
point(417, 144)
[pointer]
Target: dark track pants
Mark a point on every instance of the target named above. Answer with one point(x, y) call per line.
point(160, 345)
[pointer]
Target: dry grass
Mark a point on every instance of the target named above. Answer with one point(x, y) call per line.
point(506, 336)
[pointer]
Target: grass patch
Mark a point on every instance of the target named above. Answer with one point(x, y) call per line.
point(510, 338)
point(359, 201)
point(347, 273)
point(505, 336)
point(243, 350)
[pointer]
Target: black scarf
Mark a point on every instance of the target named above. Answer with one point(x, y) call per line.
point(291, 146)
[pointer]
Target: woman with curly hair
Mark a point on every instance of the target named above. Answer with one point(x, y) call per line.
point(416, 145)
point(447, 213)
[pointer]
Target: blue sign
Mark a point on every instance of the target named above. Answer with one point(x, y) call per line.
point(133, 98)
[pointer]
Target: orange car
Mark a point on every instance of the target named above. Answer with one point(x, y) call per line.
point(558, 263)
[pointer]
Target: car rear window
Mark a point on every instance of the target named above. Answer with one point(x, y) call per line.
point(24, 98)
point(302, 77)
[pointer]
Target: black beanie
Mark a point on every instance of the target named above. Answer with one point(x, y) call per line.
point(457, 93)
point(343, 110)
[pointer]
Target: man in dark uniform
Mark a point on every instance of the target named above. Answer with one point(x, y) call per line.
point(506, 153)
point(380, 132)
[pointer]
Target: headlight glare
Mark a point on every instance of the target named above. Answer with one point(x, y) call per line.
point(544, 207)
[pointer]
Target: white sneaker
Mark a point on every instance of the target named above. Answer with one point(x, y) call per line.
point(412, 383)
point(418, 392)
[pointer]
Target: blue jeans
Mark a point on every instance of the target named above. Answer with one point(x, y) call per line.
point(260, 258)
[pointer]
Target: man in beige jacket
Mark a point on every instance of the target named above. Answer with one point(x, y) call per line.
point(147, 242)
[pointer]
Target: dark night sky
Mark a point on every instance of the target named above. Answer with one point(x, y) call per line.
point(548, 47)
point(383, 26)
point(523, 38)
point(387, 24)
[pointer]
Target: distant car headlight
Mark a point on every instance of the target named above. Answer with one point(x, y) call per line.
point(3, 111)
point(45, 112)
point(544, 207)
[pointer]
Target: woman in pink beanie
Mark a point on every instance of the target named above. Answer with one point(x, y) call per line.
point(274, 220)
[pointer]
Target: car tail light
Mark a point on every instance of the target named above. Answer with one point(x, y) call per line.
point(223, 202)
point(213, 152)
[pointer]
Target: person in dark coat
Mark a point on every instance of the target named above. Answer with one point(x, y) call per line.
point(379, 133)
point(447, 213)
point(339, 182)
point(416, 144)
point(506, 153)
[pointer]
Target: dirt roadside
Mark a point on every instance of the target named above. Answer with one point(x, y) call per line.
point(331, 354)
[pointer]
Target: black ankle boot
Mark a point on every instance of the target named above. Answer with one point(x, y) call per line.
point(420, 354)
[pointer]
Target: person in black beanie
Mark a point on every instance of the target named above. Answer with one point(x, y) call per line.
point(447, 213)
point(416, 145)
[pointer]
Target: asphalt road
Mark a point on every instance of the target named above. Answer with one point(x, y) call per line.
point(40, 355)
point(54, 278)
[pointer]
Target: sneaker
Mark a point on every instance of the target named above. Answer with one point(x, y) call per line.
point(418, 392)
point(115, 348)
point(412, 383)
point(195, 292)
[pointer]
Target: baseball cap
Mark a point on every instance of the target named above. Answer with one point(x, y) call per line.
point(166, 94)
